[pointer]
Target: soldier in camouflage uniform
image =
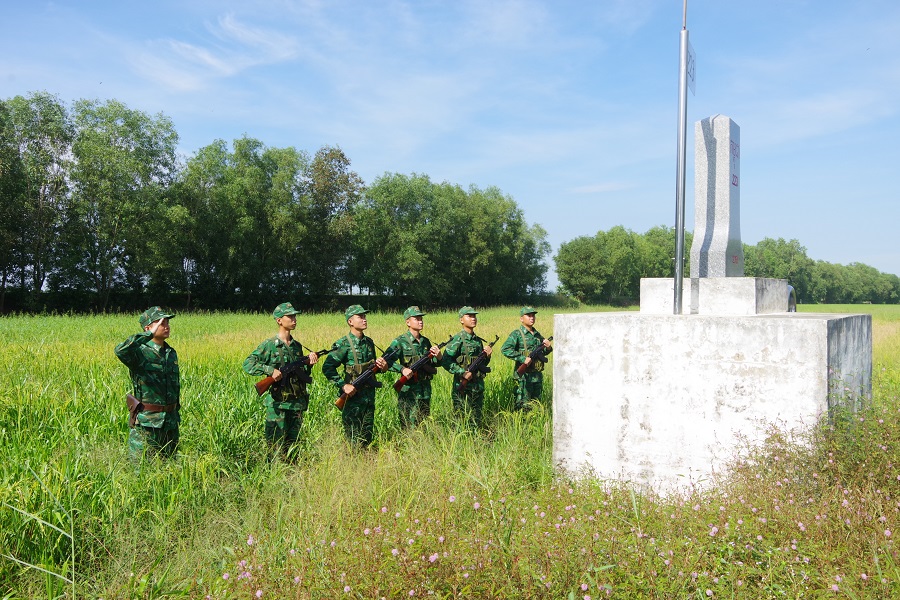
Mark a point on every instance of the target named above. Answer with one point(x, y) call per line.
point(414, 398)
point(517, 347)
point(288, 397)
point(153, 365)
point(356, 352)
point(458, 355)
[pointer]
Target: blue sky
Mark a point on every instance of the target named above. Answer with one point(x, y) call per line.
point(570, 107)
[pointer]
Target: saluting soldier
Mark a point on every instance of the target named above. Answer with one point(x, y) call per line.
point(153, 365)
point(287, 399)
point(356, 352)
point(459, 353)
point(414, 398)
point(518, 348)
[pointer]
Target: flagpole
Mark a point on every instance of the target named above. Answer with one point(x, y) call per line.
point(680, 164)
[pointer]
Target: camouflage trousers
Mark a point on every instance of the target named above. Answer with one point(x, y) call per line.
point(528, 387)
point(468, 402)
point(414, 406)
point(358, 418)
point(283, 426)
point(152, 441)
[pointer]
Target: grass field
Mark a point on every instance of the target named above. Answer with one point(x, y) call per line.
point(441, 512)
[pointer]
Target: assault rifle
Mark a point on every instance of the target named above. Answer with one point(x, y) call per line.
point(364, 378)
point(539, 354)
point(292, 369)
point(415, 367)
point(477, 365)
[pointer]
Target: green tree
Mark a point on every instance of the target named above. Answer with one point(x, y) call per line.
point(779, 259)
point(580, 269)
point(331, 191)
point(124, 161)
point(43, 132)
point(445, 245)
point(13, 184)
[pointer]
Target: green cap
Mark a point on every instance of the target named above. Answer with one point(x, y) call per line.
point(413, 311)
point(154, 314)
point(284, 309)
point(526, 310)
point(356, 309)
point(467, 310)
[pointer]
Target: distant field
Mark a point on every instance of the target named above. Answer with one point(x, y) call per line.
point(441, 512)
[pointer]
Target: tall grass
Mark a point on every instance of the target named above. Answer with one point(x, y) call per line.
point(441, 512)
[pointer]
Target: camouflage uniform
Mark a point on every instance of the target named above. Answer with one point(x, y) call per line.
point(517, 347)
point(414, 398)
point(156, 380)
point(357, 355)
point(288, 399)
point(463, 348)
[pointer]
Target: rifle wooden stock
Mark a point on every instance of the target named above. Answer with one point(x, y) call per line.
point(536, 354)
point(398, 385)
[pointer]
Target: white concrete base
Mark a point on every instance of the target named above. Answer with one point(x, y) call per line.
point(715, 296)
point(661, 400)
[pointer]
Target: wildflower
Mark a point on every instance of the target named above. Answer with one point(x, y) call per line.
point(346, 589)
point(452, 498)
point(713, 531)
point(412, 592)
point(801, 526)
point(834, 587)
point(887, 533)
point(259, 593)
point(709, 593)
point(395, 552)
point(476, 506)
point(367, 531)
point(250, 540)
point(584, 587)
point(225, 576)
point(433, 557)
point(864, 576)
point(297, 579)
point(441, 539)
point(292, 552)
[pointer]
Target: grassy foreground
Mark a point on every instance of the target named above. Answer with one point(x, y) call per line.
point(439, 513)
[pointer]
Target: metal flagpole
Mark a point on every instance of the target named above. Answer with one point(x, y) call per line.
point(680, 167)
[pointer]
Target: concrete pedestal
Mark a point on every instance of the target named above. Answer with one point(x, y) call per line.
point(661, 400)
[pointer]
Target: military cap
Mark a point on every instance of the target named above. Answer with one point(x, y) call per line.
point(356, 309)
point(526, 310)
point(413, 311)
point(467, 310)
point(284, 309)
point(154, 314)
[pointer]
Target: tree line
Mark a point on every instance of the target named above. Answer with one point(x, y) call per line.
point(98, 212)
point(607, 268)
